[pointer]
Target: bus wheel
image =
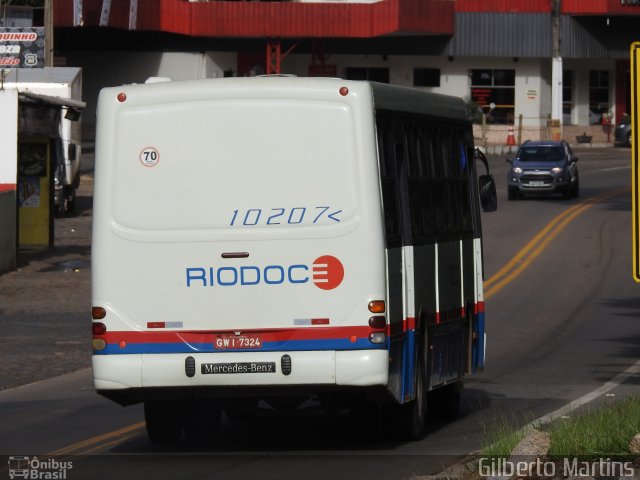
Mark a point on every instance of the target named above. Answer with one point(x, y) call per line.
point(444, 403)
point(201, 420)
point(164, 420)
point(413, 415)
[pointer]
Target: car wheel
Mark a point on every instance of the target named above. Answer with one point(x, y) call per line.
point(575, 189)
point(512, 193)
point(629, 139)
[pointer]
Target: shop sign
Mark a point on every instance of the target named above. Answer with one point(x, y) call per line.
point(22, 47)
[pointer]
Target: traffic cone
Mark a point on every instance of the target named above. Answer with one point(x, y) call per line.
point(511, 139)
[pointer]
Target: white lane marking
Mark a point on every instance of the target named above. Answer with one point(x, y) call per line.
point(616, 381)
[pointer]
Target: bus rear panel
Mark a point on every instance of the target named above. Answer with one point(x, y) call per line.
point(282, 238)
point(236, 223)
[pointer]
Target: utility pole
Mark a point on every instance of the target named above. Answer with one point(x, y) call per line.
point(556, 64)
point(48, 33)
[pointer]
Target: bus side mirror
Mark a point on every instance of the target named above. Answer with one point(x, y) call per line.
point(488, 195)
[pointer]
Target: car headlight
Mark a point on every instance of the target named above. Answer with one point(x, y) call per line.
point(516, 170)
point(556, 170)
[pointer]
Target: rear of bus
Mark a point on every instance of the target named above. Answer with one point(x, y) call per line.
point(237, 240)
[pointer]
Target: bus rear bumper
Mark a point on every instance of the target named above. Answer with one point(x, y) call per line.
point(351, 368)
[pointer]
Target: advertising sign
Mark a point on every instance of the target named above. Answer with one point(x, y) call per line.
point(22, 47)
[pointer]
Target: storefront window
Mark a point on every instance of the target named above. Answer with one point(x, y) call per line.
point(368, 73)
point(494, 92)
point(598, 95)
point(426, 77)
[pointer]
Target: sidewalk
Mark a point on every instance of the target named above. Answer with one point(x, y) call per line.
point(45, 303)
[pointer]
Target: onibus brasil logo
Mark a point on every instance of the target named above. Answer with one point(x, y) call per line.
point(34, 468)
point(325, 272)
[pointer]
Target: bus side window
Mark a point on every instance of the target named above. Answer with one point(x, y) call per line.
point(439, 185)
point(452, 162)
point(426, 168)
point(466, 214)
point(389, 182)
point(416, 202)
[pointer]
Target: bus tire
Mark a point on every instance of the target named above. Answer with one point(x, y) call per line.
point(201, 421)
point(413, 415)
point(164, 420)
point(444, 403)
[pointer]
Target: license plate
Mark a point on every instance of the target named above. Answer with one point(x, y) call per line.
point(536, 184)
point(236, 368)
point(231, 342)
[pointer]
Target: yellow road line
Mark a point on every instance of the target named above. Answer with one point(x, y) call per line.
point(90, 442)
point(539, 242)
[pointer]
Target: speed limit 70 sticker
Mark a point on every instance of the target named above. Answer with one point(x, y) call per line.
point(149, 157)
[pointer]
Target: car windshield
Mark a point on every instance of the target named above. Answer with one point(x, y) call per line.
point(541, 154)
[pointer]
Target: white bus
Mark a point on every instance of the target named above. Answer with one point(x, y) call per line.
point(279, 238)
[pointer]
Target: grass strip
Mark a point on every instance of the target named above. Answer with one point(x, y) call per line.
point(603, 432)
point(500, 437)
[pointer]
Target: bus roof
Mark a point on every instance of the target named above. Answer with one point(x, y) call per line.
point(411, 100)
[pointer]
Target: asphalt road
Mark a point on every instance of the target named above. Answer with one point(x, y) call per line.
point(562, 322)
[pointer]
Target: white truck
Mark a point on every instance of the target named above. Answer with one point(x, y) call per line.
point(65, 83)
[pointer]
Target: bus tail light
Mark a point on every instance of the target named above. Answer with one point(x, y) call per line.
point(98, 328)
point(377, 306)
point(98, 313)
point(98, 344)
point(377, 337)
point(378, 322)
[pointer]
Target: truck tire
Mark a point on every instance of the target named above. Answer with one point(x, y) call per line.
point(70, 199)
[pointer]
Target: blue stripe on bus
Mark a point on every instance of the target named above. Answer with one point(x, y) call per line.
point(296, 345)
point(408, 384)
point(478, 363)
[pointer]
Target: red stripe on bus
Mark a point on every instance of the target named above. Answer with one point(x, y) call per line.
point(273, 335)
point(410, 323)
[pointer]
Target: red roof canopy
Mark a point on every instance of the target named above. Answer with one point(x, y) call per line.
point(271, 19)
